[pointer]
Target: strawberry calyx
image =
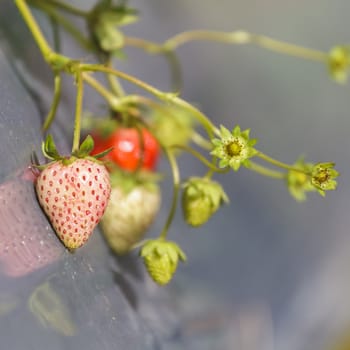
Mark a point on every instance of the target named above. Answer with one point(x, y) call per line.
point(49, 150)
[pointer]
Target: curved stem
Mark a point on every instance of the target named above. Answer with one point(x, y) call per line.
point(34, 28)
point(200, 141)
point(114, 83)
point(111, 99)
point(55, 102)
point(64, 22)
point(169, 97)
point(154, 48)
point(205, 121)
point(146, 45)
point(78, 110)
point(265, 171)
point(67, 8)
point(202, 159)
point(279, 164)
point(288, 49)
point(55, 34)
point(176, 186)
point(243, 37)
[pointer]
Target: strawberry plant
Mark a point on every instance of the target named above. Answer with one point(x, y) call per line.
point(151, 122)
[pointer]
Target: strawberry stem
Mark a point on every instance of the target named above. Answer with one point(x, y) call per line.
point(279, 164)
point(34, 28)
point(169, 97)
point(78, 110)
point(67, 8)
point(111, 99)
point(201, 158)
point(55, 102)
point(176, 186)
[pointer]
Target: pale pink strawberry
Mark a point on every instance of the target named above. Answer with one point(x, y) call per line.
point(27, 242)
point(74, 196)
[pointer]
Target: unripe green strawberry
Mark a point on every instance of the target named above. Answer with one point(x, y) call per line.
point(161, 258)
point(74, 196)
point(133, 206)
point(201, 198)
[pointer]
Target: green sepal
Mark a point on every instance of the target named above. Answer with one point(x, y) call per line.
point(103, 153)
point(86, 147)
point(49, 148)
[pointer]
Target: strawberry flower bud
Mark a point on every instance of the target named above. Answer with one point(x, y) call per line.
point(104, 23)
point(234, 148)
point(339, 63)
point(172, 126)
point(298, 182)
point(201, 198)
point(323, 177)
point(161, 258)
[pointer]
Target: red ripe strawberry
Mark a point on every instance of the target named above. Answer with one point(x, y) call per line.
point(74, 197)
point(73, 192)
point(133, 206)
point(130, 148)
point(27, 243)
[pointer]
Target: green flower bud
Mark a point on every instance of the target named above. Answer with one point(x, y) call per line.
point(339, 63)
point(201, 198)
point(323, 177)
point(109, 38)
point(234, 148)
point(161, 258)
point(104, 23)
point(298, 182)
point(172, 126)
